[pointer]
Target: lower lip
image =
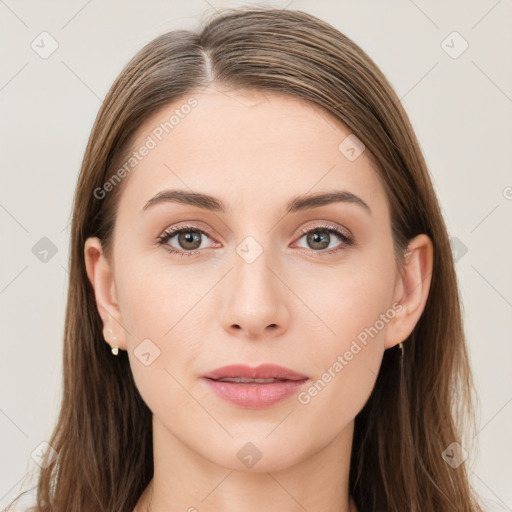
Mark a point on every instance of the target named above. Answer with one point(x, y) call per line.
point(255, 396)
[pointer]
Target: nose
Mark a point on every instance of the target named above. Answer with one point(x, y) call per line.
point(255, 305)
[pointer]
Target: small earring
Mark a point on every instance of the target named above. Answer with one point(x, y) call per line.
point(401, 348)
point(114, 349)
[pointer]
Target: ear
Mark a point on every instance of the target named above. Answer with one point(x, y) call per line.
point(411, 289)
point(101, 277)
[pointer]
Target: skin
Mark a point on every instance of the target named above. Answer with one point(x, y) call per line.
point(254, 151)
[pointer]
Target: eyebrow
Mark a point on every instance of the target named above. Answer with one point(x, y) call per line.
point(298, 203)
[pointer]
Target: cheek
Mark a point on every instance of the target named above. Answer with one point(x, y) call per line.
point(162, 311)
point(154, 298)
point(354, 308)
point(345, 301)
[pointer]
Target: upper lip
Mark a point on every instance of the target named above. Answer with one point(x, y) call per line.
point(264, 371)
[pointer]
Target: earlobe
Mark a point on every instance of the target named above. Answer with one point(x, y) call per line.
point(101, 277)
point(413, 286)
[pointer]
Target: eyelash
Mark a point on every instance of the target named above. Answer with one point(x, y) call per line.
point(168, 234)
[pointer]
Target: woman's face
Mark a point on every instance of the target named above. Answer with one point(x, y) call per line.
point(252, 283)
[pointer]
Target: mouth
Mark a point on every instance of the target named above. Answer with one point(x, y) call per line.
point(254, 388)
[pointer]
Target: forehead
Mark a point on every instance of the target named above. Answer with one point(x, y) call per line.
point(248, 148)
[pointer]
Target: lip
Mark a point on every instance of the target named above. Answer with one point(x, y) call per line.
point(255, 395)
point(264, 371)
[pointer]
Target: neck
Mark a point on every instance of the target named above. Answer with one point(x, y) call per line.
point(184, 480)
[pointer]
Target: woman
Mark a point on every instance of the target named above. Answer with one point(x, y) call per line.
point(263, 311)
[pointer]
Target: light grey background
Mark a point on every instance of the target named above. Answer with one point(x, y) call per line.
point(461, 109)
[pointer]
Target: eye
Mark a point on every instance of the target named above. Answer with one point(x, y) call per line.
point(187, 237)
point(189, 240)
point(320, 239)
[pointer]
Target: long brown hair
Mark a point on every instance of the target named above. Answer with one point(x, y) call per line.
point(104, 434)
